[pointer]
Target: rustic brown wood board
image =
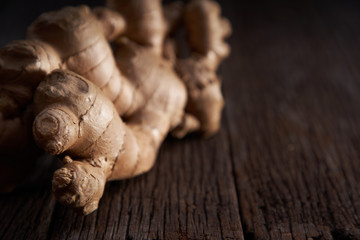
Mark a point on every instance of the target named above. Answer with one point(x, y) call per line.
point(285, 164)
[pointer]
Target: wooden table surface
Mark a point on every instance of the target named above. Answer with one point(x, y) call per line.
point(285, 164)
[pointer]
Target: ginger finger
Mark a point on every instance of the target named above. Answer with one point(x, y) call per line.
point(205, 100)
point(113, 24)
point(74, 118)
point(79, 185)
point(145, 21)
point(207, 29)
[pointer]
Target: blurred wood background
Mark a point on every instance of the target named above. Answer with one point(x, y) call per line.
point(285, 165)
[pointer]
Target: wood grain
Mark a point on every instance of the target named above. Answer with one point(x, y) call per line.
point(293, 117)
point(285, 164)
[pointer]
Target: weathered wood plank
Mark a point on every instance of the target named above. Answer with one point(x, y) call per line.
point(294, 125)
point(190, 194)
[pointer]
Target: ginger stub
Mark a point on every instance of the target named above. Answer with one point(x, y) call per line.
point(105, 110)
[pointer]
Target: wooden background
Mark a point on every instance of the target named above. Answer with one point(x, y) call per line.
point(285, 164)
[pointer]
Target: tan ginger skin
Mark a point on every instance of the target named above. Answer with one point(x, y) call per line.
point(206, 33)
point(73, 38)
point(76, 119)
point(86, 88)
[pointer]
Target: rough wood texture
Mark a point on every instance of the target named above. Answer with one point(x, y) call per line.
point(294, 125)
point(285, 164)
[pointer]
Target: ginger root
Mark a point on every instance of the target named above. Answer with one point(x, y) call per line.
point(105, 111)
point(76, 119)
point(73, 38)
point(206, 33)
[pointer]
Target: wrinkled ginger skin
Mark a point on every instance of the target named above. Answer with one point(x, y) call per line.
point(75, 119)
point(207, 29)
point(23, 64)
point(145, 21)
point(205, 100)
point(149, 75)
point(72, 115)
point(80, 39)
point(79, 185)
point(112, 23)
point(71, 38)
